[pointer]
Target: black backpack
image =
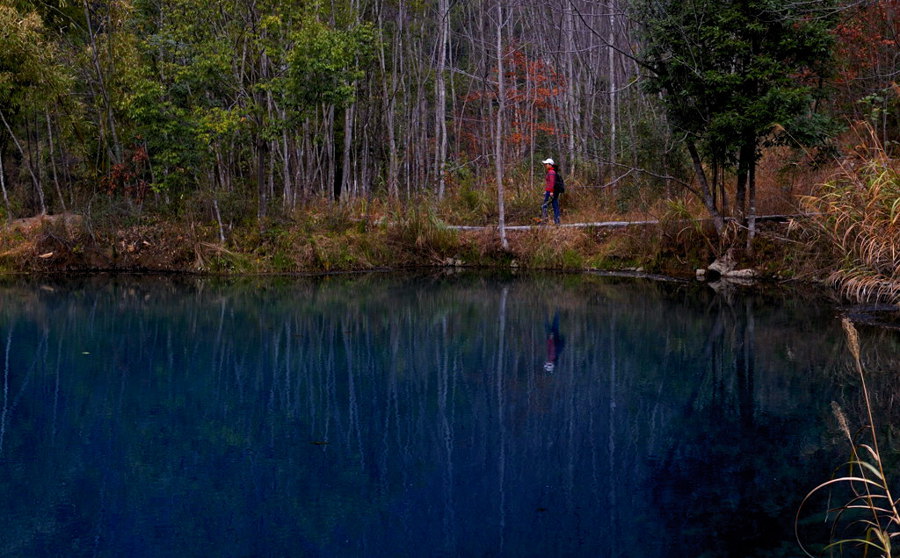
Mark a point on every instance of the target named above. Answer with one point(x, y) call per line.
point(559, 185)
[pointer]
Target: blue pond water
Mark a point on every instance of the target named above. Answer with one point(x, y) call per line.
point(392, 415)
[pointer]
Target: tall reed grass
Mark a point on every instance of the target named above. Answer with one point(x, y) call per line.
point(858, 214)
point(868, 519)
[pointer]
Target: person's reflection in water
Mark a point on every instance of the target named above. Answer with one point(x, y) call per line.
point(555, 344)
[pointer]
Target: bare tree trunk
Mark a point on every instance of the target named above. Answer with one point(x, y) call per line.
point(3, 188)
point(366, 163)
point(330, 153)
point(718, 221)
point(751, 212)
point(390, 112)
point(116, 149)
point(270, 175)
point(261, 177)
point(348, 187)
point(572, 111)
point(611, 53)
point(62, 200)
point(393, 159)
point(219, 221)
point(498, 138)
point(723, 194)
point(714, 187)
point(287, 186)
point(440, 113)
point(27, 160)
point(745, 160)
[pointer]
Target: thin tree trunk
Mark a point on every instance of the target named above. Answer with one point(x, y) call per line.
point(27, 160)
point(498, 138)
point(347, 176)
point(3, 188)
point(261, 178)
point(62, 200)
point(745, 160)
point(751, 212)
point(440, 113)
point(572, 110)
point(723, 194)
point(116, 150)
point(270, 179)
point(287, 186)
point(336, 151)
point(714, 187)
point(219, 221)
point(718, 221)
point(611, 58)
point(393, 159)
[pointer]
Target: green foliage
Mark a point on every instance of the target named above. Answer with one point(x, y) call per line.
point(732, 72)
point(168, 86)
point(30, 75)
point(658, 151)
point(170, 132)
point(882, 110)
point(325, 63)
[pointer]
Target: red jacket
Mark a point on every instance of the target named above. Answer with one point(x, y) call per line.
point(550, 182)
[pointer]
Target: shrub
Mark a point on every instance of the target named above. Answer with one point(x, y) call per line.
point(858, 213)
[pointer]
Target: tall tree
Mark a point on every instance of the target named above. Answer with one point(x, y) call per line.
point(728, 76)
point(440, 113)
point(323, 69)
point(498, 127)
point(31, 79)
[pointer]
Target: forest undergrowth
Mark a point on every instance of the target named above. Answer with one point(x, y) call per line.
point(848, 239)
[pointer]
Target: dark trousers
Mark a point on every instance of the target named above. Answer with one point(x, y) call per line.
point(548, 199)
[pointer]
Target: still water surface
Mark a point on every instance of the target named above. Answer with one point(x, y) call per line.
point(399, 416)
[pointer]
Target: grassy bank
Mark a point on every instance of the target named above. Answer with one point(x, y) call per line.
point(347, 238)
point(850, 241)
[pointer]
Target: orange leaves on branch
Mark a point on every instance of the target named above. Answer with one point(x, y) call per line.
point(126, 177)
point(866, 40)
point(533, 88)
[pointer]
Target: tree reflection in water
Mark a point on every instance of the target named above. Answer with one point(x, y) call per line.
point(404, 416)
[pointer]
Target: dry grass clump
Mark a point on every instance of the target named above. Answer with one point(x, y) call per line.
point(14, 250)
point(784, 174)
point(553, 247)
point(858, 213)
point(42, 242)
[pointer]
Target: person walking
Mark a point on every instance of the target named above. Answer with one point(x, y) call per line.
point(551, 192)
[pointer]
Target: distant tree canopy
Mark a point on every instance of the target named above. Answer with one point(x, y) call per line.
point(273, 104)
point(32, 82)
point(734, 73)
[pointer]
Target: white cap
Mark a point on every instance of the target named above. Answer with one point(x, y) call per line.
point(547, 162)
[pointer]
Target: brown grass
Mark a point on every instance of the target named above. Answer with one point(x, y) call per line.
point(858, 214)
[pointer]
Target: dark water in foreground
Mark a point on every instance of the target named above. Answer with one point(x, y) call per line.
point(397, 416)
